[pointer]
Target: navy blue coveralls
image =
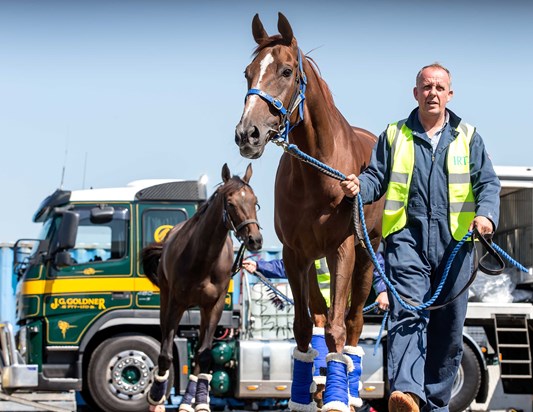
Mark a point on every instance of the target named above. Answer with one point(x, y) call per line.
point(425, 347)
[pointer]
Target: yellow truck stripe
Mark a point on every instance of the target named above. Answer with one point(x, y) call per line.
point(87, 285)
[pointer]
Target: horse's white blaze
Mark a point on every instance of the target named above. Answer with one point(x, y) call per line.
point(250, 102)
point(243, 193)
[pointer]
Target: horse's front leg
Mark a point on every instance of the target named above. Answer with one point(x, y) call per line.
point(210, 316)
point(170, 315)
point(303, 356)
point(361, 285)
point(319, 312)
point(341, 266)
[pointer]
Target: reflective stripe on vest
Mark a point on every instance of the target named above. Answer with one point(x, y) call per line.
point(460, 194)
point(323, 277)
point(400, 139)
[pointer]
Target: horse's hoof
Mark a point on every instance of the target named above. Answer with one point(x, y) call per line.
point(352, 408)
point(203, 407)
point(157, 408)
point(185, 407)
point(318, 396)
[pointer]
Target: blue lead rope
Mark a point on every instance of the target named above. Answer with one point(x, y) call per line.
point(293, 150)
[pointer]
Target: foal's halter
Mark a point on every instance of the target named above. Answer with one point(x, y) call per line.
point(230, 224)
point(297, 101)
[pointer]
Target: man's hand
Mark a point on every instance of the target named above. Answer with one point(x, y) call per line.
point(249, 265)
point(482, 224)
point(350, 186)
point(383, 301)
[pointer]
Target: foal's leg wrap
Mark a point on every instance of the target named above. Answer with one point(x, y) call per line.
point(318, 342)
point(157, 393)
point(336, 394)
point(303, 386)
point(356, 354)
point(202, 392)
point(189, 396)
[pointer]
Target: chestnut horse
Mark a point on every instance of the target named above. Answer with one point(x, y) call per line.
point(288, 101)
point(192, 267)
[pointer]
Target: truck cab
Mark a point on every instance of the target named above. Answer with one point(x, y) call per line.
point(88, 316)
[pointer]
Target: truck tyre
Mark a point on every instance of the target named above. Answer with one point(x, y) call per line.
point(120, 373)
point(467, 382)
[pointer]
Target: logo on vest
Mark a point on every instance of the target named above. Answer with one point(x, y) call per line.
point(460, 160)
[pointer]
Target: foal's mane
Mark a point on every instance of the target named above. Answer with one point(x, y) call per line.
point(278, 40)
point(233, 184)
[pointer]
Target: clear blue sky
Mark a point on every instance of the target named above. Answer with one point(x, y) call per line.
point(154, 88)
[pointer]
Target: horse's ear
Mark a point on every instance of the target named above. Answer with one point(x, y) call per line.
point(248, 174)
point(259, 32)
point(284, 28)
point(226, 174)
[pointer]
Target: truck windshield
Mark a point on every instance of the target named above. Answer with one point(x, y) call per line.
point(101, 241)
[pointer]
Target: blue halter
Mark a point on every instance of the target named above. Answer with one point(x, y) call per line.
point(297, 100)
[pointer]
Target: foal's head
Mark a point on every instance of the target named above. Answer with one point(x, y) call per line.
point(240, 204)
point(274, 80)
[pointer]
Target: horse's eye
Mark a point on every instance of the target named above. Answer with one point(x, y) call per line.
point(287, 73)
point(257, 206)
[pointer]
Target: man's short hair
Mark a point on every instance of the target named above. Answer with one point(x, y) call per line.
point(435, 65)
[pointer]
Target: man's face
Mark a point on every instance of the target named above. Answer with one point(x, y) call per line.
point(432, 91)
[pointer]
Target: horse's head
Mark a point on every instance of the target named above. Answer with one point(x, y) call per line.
point(276, 86)
point(240, 205)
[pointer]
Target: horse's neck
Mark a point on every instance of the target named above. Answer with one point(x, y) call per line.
point(322, 120)
point(212, 232)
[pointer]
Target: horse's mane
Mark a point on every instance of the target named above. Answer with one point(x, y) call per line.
point(278, 40)
point(234, 183)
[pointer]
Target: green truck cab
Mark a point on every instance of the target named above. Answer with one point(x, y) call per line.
point(88, 316)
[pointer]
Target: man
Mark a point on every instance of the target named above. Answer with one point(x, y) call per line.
point(439, 183)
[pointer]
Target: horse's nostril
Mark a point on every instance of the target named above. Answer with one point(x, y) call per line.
point(255, 242)
point(254, 132)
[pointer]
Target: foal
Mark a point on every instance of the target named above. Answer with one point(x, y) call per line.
point(192, 267)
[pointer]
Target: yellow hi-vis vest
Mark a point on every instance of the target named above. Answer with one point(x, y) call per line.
point(460, 195)
point(323, 277)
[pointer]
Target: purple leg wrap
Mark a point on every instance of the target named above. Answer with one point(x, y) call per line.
point(202, 392)
point(318, 342)
point(157, 392)
point(190, 392)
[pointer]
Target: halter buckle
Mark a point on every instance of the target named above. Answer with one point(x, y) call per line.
point(277, 104)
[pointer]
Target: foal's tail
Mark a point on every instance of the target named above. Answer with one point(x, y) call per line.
point(150, 260)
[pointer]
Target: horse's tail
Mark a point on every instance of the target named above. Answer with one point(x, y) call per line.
point(150, 256)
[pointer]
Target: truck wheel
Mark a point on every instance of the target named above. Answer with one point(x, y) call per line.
point(467, 382)
point(120, 373)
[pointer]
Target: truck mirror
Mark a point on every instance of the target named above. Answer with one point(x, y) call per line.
point(63, 259)
point(102, 214)
point(68, 230)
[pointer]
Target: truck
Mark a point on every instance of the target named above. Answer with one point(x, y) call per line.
point(87, 318)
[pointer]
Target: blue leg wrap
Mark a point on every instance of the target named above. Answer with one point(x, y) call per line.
point(157, 393)
point(202, 392)
point(336, 393)
point(354, 377)
point(318, 342)
point(303, 387)
point(190, 394)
